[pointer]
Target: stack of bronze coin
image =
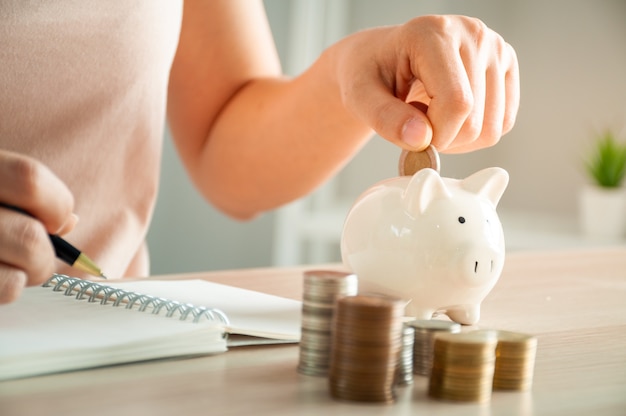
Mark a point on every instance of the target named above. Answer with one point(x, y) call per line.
point(404, 372)
point(463, 366)
point(515, 361)
point(425, 330)
point(321, 289)
point(365, 348)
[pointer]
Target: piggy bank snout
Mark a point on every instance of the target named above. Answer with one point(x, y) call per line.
point(481, 265)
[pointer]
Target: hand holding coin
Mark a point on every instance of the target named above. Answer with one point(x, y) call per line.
point(410, 162)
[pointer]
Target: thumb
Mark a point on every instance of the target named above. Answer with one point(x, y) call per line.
point(404, 124)
point(417, 131)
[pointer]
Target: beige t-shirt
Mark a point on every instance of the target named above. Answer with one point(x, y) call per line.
point(83, 88)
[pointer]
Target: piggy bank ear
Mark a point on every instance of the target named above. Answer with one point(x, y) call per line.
point(489, 183)
point(424, 187)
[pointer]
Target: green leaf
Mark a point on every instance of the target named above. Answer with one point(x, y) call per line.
point(607, 164)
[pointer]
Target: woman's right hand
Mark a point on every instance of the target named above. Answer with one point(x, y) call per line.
point(26, 254)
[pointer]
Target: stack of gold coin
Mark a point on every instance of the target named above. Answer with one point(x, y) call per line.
point(463, 366)
point(515, 361)
point(404, 372)
point(425, 330)
point(365, 348)
point(321, 289)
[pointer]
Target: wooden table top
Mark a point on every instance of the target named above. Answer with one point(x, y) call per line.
point(573, 301)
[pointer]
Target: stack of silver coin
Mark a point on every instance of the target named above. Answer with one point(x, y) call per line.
point(425, 330)
point(321, 290)
point(404, 372)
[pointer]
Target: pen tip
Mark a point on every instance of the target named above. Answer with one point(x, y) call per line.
point(103, 276)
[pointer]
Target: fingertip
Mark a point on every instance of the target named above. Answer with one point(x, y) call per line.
point(11, 285)
point(69, 224)
point(416, 133)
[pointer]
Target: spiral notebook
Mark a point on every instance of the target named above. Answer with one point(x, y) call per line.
point(71, 324)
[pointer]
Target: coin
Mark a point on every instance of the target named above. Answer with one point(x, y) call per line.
point(463, 366)
point(404, 371)
point(425, 330)
point(321, 289)
point(410, 161)
point(515, 361)
point(366, 347)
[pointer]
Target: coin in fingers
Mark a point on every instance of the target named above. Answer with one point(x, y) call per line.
point(410, 161)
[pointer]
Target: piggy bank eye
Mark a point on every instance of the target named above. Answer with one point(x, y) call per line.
point(462, 220)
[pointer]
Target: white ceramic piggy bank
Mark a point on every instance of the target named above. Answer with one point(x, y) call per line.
point(436, 242)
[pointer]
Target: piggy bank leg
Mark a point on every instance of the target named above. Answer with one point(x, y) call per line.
point(464, 314)
point(418, 313)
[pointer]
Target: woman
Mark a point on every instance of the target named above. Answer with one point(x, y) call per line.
point(85, 88)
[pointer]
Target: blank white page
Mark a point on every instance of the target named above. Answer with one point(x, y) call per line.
point(45, 331)
point(249, 312)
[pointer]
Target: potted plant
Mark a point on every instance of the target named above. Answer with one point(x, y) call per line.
point(603, 201)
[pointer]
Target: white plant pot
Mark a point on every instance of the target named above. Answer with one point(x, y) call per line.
point(603, 212)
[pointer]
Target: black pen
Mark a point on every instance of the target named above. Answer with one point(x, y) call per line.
point(67, 252)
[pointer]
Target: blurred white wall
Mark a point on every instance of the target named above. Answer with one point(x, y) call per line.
point(572, 57)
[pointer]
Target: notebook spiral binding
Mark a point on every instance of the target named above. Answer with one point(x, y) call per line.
point(116, 297)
